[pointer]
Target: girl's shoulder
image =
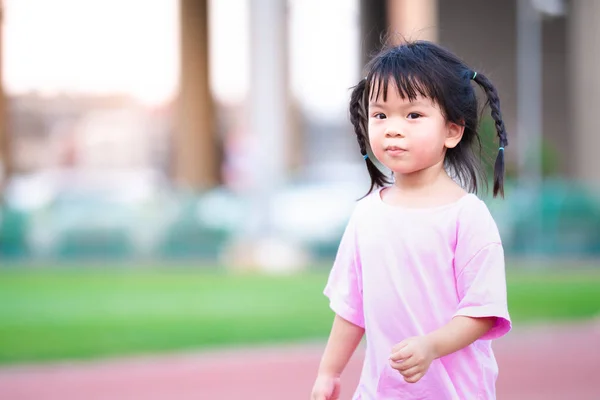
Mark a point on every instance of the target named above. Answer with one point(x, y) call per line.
point(472, 207)
point(475, 221)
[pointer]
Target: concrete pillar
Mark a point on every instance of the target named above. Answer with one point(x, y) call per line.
point(529, 94)
point(259, 245)
point(413, 20)
point(269, 92)
point(196, 158)
point(5, 153)
point(373, 24)
point(584, 59)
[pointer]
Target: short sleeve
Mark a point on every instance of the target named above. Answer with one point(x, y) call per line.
point(344, 286)
point(480, 271)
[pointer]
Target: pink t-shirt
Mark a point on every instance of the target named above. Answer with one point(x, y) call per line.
point(403, 272)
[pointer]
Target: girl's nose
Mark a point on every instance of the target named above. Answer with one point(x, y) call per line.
point(390, 133)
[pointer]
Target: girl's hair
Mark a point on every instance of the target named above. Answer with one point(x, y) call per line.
point(426, 69)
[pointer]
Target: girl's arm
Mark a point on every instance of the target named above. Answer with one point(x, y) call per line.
point(343, 341)
point(458, 333)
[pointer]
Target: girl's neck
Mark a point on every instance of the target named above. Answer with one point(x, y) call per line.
point(423, 180)
point(429, 187)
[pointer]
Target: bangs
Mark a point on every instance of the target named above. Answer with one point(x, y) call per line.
point(406, 72)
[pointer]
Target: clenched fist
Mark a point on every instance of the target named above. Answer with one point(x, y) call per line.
point(412, 358)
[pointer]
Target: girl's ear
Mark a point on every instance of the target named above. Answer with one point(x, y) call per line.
point(454, 134)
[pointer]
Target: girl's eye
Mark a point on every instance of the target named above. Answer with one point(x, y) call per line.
point(379, 116)
point(413, 115)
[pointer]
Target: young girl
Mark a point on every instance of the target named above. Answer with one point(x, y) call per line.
point(420, 267)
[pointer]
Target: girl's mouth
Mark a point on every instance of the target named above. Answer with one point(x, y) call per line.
point(395, 150)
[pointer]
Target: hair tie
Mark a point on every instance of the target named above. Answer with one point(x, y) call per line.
point(474, 75)
point(501, 149)
point(365, 156)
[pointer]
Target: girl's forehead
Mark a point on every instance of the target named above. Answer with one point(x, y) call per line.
point(394, 96)
point(398, 88)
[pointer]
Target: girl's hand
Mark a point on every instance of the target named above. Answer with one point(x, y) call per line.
point(412, 357)
point(326, 388)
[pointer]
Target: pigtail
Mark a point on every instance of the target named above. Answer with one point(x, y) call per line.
point(494, 103)
point(359, 119)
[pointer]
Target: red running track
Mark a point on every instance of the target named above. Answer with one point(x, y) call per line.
point(549, 363)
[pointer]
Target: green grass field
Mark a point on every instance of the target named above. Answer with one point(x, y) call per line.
point(48, 314)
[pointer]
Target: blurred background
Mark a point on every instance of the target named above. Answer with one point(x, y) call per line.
point(175, 175)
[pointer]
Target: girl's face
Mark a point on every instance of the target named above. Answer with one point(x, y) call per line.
point(409, 136)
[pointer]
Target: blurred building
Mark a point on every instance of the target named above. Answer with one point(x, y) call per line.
point(483, 33)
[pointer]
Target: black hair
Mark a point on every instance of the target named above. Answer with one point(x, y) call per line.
point(426, 69)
